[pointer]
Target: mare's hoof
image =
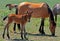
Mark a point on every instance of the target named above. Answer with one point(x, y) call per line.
point(53, 34)
point(3, 36)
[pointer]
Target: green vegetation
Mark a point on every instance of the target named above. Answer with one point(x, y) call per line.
point(31, 27)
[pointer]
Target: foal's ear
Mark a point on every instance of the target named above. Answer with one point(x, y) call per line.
point(26, 12)
point(31, 12)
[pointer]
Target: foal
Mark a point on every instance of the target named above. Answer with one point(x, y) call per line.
point(11, 6)
point(18, 19)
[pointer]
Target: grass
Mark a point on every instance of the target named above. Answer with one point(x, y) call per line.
point(33, 26)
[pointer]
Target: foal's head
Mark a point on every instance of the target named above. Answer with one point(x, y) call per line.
point(28, 15)
point(11, 6)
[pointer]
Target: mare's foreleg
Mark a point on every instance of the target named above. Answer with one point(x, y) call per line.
point(14, 28)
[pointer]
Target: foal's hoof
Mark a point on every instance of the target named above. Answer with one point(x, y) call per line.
point(8, 36)
point(26, 38)
point(43, 33)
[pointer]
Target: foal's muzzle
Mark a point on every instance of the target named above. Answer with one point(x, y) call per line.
point(28, 20)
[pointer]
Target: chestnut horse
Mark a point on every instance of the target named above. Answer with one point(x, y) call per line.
point(56, 10)
point(18, 19)
point(40, 10)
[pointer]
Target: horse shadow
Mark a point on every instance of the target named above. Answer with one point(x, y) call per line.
point(18, 40)
point(38, 34)
point(31, 35)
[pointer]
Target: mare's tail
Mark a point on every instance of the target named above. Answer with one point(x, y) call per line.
point(5, 18)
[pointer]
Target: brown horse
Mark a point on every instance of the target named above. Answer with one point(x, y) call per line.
point(56, 10)
point(40, 10)
point(18, 19)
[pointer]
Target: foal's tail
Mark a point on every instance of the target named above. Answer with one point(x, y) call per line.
point(5, 18)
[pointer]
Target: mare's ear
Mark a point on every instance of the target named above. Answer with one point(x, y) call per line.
point(16, 5)
point(7, 5)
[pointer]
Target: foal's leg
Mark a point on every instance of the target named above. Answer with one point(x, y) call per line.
point(4, 31)
point(8, 32)
point(21, 32)
point(41, 29)
point(25, 34)
point(7, 26)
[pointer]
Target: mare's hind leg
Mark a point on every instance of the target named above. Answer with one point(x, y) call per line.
point(41, 29)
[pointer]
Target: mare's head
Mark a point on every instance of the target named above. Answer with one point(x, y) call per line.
point(11, 6)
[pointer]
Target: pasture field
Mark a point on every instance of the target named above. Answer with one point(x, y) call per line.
point(32, 27)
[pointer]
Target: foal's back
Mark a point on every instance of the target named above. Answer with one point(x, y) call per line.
point(17, 18)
